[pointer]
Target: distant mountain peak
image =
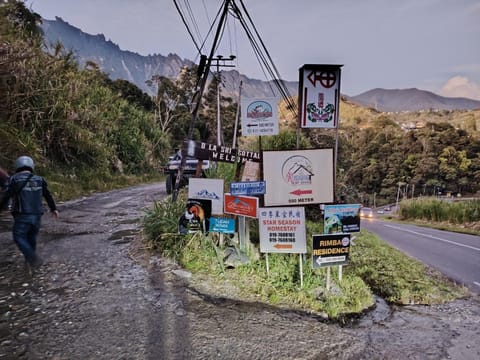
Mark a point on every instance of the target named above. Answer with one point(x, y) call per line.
point(136, 68)
point(413, 99)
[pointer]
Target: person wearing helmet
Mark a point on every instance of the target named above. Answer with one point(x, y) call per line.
point(27, 191)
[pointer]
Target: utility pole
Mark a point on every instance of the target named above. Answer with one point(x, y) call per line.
point(220, 61)
point(197, 98)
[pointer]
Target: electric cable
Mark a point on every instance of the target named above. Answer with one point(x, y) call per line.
point(277, 79)
point(256, 50)
point(186, 25)
point(192, 18)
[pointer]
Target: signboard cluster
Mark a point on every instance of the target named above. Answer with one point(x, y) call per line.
point(291, 179)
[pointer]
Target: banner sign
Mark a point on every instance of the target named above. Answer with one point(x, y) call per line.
point(196, 216)
point(222, 225)
point(205, 151)
point(343, 218)
point(247, 188)
point(329, 250)
point(282, 230)
point(259, 117)
point(241, 205)
point(298, 177)
point(209, 189)
point(319, 96)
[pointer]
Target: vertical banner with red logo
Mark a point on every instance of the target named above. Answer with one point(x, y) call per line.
point(319, 96)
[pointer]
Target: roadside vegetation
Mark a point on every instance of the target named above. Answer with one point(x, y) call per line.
point(447, 212)
point(375, 268)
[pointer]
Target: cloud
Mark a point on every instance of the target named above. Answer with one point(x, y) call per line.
point(461, 86)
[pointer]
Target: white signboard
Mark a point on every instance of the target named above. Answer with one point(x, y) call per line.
point(259, 117)
point(298, 177)
point(282, 230)
point(208, 189)
point(319, 97)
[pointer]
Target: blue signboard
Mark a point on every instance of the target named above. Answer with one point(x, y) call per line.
point(247, 188)
point(222, 225)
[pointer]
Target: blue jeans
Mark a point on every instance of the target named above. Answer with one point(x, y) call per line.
point(25, 233)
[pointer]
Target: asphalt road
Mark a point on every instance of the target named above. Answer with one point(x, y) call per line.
point(455, 255)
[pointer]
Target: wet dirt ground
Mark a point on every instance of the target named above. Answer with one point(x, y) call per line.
point(100, 296)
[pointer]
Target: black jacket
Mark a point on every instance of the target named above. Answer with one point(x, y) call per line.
point(26, 191)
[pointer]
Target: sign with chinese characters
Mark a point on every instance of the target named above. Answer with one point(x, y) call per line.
point(282, 230)
point(319, 96)
point(329, 250)
point(298, 177)
point(259, 117)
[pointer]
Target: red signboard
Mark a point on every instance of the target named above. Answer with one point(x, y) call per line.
point(241, 205)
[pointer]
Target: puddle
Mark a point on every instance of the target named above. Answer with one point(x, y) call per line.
point(123, 236)
point(379, 313)
point(116, 214)
point(128, 221)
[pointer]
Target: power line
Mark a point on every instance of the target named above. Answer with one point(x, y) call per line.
point(260, 51)
point(277, 78)
point(186, 25)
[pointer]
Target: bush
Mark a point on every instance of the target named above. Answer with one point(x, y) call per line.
point(455, 212)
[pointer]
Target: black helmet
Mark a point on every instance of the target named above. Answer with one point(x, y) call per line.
point(24, 162)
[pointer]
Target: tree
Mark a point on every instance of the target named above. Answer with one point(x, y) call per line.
point(166, 101)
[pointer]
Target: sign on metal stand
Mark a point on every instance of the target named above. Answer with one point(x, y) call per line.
point(282, 230)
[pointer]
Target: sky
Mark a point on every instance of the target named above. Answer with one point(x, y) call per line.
point(431, 45)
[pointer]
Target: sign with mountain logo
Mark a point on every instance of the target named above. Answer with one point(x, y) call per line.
point(259, 117)
point(207, 189)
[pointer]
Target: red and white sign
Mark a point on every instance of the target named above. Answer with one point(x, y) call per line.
point(319, 97)
point(241, 205)
point(282, 230)
point(298, 177)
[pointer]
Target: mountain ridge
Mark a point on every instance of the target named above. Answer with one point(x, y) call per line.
point(136, 68)
point(412, 99)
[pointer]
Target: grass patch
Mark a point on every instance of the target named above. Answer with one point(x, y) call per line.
point(374, 268)
point(396, 277)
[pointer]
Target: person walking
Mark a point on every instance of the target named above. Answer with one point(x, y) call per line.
point(26, 190)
